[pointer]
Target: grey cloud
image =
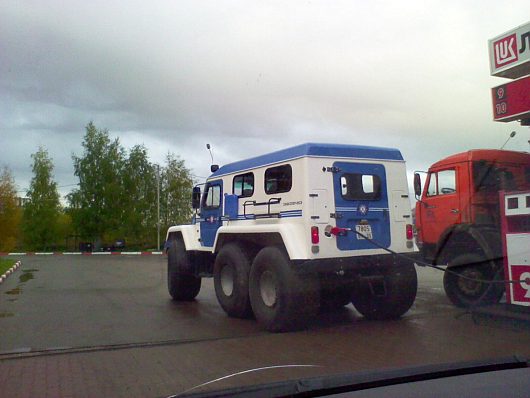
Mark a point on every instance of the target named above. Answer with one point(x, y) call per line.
point(247, 77)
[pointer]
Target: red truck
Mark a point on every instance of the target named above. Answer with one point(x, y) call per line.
point(458, 219)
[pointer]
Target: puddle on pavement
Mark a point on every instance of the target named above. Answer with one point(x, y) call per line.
point(6, 314)
point(16, 290)
point(26, 276)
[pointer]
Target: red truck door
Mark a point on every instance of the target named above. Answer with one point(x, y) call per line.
point(440, 207)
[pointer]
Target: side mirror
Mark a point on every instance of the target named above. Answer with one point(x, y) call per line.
point(196, 198)
point(214, 168)
point(417, 185)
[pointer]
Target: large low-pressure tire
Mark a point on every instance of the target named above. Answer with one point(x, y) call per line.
point(281, 299)
point(464, 292)
point(390, 297)
point(181, 283)
point(230, 275)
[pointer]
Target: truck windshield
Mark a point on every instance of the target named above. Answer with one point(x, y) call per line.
point(490, 176)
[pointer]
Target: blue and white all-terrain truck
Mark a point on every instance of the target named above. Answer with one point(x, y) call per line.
point(303, 229)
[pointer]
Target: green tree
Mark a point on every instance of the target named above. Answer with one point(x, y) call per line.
point(176, 187)
point(117, 192)
point(65, 230)
point(42, 208)
point(9, 212)
point(97, 205)
point(139, 181)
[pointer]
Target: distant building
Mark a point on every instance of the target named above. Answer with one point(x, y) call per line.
point(21, 201)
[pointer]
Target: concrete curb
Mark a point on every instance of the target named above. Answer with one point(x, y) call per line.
point(10, 271)
point(80, 253)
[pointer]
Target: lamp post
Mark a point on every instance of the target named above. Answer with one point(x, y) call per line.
point(157, 207)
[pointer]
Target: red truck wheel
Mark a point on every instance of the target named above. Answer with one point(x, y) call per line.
point(462, 281)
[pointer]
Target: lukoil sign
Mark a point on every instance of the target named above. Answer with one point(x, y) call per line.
point(511, 101)
point(510, 53)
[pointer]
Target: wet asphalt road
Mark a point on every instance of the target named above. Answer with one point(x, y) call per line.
point(86, 301)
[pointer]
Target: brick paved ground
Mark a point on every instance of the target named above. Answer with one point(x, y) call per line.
point(159, 371)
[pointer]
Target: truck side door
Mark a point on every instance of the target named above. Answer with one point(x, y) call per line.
point(440, 207)
point(211, 212)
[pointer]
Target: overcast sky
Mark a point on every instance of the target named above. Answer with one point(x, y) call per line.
point(249, 77)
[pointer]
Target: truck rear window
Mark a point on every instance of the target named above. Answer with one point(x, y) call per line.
point(355, 186)
point(496, 177)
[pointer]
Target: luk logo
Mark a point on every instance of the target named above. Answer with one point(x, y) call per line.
point(505, 51)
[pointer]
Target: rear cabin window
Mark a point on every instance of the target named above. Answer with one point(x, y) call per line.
point(356, 186)
point(494, 177)
point(278, 179)
point(244, 185)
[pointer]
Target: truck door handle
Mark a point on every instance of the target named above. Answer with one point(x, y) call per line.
point(455, 211)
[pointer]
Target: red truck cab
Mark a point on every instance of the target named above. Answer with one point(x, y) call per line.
point(458, 212)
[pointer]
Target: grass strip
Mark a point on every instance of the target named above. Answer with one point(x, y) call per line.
point(5, 264)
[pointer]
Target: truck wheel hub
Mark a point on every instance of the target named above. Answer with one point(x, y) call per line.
point(471, 287)
point(267, 288)
point(227, 280)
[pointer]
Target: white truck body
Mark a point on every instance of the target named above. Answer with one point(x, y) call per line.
point(313, 200)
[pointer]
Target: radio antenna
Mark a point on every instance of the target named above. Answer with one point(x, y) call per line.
point(512, 134)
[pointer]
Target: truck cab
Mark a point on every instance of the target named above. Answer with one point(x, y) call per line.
point(458, 211)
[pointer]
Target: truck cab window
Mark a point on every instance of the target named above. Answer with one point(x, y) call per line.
point(446, 182)
point(278, 179)
point(442, 183)
point(244, 185)
point(212, 197)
